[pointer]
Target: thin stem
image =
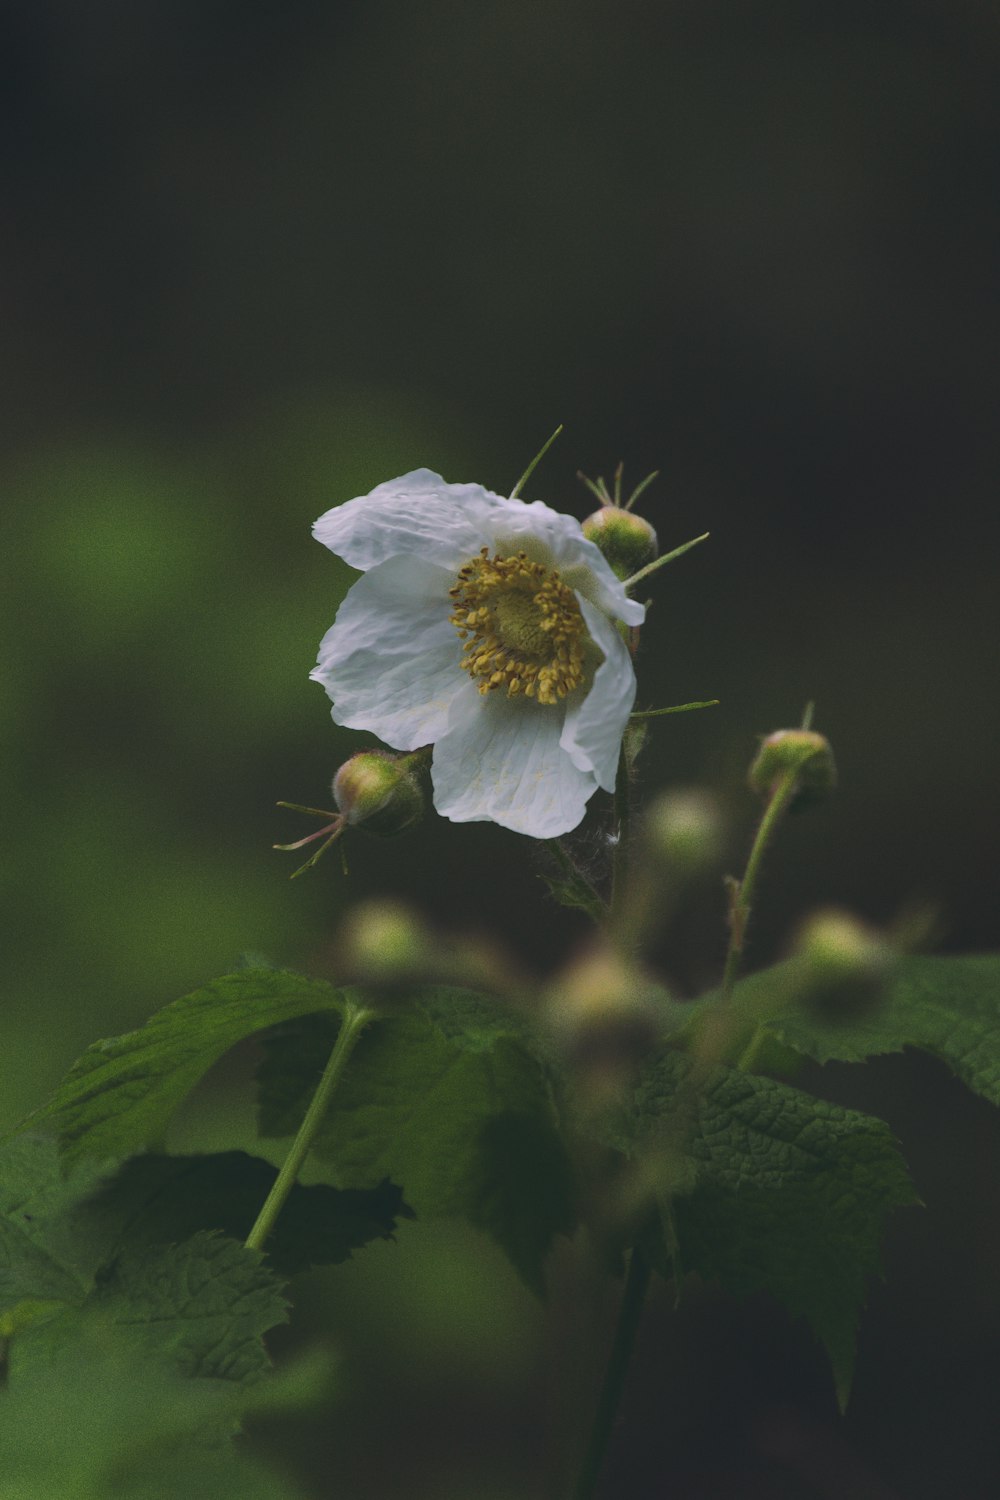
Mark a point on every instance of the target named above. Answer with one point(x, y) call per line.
point(534, 463)
point(743, 892)
point(667, 557)
point(640, 487)
point(629, 1314)
point(356, 1018)
point(677, 708)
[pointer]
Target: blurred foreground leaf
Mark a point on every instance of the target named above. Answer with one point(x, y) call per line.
point(120, 1095)
point(774, 1191)
point(105, 1420)
point(447, 1098)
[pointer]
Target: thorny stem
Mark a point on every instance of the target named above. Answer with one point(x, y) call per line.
point(743, 891)
point(629, 1314)
point(355, 1019)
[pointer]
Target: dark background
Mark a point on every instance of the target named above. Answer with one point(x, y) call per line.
point(254, 260)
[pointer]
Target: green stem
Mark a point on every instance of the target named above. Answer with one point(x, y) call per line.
point(667, 557)
point(781, 794)
point(356, 1018)
point(629, 1314)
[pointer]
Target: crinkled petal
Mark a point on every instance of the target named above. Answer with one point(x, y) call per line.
point(418, 514)
point(391, 661)
point(500, 761)
point(595, 724)
point(558, 541)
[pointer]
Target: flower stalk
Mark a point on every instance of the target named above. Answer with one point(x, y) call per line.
point(355, 1019)
point(629, 1314)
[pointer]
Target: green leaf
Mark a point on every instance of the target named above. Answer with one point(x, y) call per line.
point(44, 1254)
point(106, 1420)
point(60, 1231)
point(201, 1307)
point(781, 1192)
point(946, 1006)
point(447, 1098)
point(120, 1095)
point(159, 1199)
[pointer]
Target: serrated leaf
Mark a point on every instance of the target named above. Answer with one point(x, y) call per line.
point(948, 1006)
point(106, 1420)
point(200, 1307)
point(159, 1199)
point(46, 1255)
point(449, 1099)
point(788, 1193)
point(120, 1095)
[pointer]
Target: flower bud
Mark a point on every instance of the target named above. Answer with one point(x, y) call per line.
point(801, 750)
point(627, 540)
point(604, 1016)
point(376, 791)
point(684, 830)
point(384, 941)
point(847, 963)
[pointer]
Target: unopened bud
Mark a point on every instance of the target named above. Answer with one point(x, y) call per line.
point(803, 751)
point(378, 792)
point(627, 540)
point(383, 941)
point(847, 963)
point(603, 1014)
point(685, 831)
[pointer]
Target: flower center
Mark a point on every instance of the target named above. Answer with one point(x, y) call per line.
point(522, 627)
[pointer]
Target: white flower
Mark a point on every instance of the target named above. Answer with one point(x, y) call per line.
point(483, 626)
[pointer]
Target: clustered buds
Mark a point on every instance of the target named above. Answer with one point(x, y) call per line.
point(627, 540)
point(802, 751)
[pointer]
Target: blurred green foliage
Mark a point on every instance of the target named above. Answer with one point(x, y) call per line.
point(256, 261)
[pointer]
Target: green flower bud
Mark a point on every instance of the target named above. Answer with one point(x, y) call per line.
point(604, 1016)
point(800, 750)
point(847, 963)
point(384, 941)
point(377, 792)
point(627, 540)
point(684, 829)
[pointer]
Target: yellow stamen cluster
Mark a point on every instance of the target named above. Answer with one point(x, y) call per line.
point(522, 627)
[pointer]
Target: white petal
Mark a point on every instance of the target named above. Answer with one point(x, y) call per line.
point(391, 660)
point(558, 541)
point(594, 727)
point(500, 761)
point(418, 514)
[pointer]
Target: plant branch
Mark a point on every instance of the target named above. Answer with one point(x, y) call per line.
point(629, 1314)
point(355, 1019)
point(743, 890)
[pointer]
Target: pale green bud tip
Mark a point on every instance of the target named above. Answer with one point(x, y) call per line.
point(685, 829)
point(848, 962)
point(627, 540)
point(800, 750)
point(602, 1011)
point(383, 939)
point(376, 791)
